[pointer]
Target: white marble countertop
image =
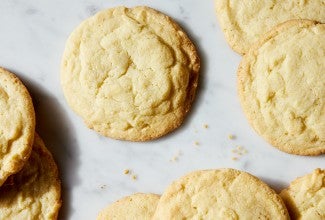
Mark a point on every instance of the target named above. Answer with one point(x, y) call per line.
point(32, 39)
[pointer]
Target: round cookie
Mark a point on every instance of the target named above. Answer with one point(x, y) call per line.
point(281, 87)
point(17, 125)
point(138, 206)
point(35, 191)
point(130, 73)
point(305, 197)
point(220, 194)
point(244, 21)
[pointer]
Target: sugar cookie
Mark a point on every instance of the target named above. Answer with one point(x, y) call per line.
point(35, 191)
point(17, 125)
point(244, 21)
point(281, 87)
point(220, 194)
point(138, 206)
point(130, 73)
point(305, 197)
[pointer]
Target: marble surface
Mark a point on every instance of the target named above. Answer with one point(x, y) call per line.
point(32, 39)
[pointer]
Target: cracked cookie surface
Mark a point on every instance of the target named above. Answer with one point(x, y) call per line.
point(130, 73)
point(17, 124)
point(305, 197)
point(220, 194)
point(35, 191)
point(281, 87)
point(139, 206)
point(244, 21)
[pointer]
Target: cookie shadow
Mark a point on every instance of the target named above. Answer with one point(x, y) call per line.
point(56, 130)
point(275, 184)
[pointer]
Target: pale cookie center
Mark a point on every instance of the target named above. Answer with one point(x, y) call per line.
point(289, 84)
point(133, 68)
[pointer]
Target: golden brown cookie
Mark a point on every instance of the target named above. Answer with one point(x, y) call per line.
point(244, 21)
point(220, 194)
point(138, 206)
point(305, 197)
point(281, 87)
point(35, 191)
point(130, 73)
point(17, 124)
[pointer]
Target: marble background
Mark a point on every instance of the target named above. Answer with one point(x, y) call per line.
point(32, 39)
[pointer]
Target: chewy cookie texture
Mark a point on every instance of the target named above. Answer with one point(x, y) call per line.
point(281, 87)
point(35, 191)
point(17, 124)
point(130, 73)
point(305, 197)
point(139, 206)
point(220, 194)
point(245, 21)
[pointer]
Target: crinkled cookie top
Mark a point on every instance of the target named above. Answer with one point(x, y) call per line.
point(220, 194)
point(305, 197)
point(244, 21)
point(281, 84)
point(130, 73)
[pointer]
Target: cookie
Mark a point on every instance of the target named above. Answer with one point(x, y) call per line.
point(130, 73)
point(244, 21)
point(220, 194)
point(34, 192)
point(305, 197)
point(17, 125)
point(138, 206)
point(281, 87)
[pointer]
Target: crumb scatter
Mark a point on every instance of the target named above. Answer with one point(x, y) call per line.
point(239, 151)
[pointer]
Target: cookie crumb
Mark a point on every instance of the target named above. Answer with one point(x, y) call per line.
point(238, 152)
point(176, 156)
point(231, 137)
point(174, 159)
point(196, 143)
point(126, 171)
point(134, 177)
point(206, 126)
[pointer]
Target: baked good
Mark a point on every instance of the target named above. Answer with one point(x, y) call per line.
point(220, 194)
point(17, 125)
point(244, 21)
point(139, 206)
point(35, 191)
point(305, 197)
point(281, 87)
point(130, 73)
